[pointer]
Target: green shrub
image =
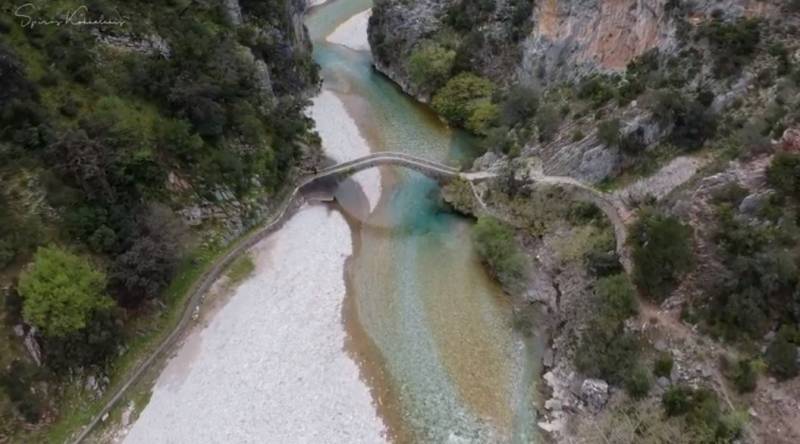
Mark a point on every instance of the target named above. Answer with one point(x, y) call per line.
point(498, 248)
point(762, 273)
point(522, 11)
point(548, 120)
point(605, 350)
point(608, 131)
point(734, 44)
point(745, 376)
point(781, 356)
point(703, 413)
point(16, 381)
point(783, 174)
point(692, 124)
point(677, 400)
point(616, 298)
point(662, 252)
point(638, 383)
point(466, 16)
point(459, 98)
point(429, 65)
point(662, 367)
point(596, 89)
point(484, 116)
point(519, 106)
point(605, 354)
point(61, 292)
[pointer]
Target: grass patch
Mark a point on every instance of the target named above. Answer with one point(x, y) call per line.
point(241, 269)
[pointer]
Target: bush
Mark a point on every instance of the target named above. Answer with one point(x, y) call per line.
point(677, 400)
point(522, 10)
point(763, 274)
point(608, 131)
point(616, 298)
point(662, 367)
point(662, 252)
point(605, 350)
point(16, 382)
point(548, 120)
point(430, 64)
point(733, 43)
point(483, 118)
point(596, 89)
point(704, 416)
point(691, 123)
point(498, 248)
point(145, 268)
point(638, 383)
point(783, 174)
point(605, 354)
point(459, 98)
point(782, 356)
point(519, 106)
point(745, 376)
point(61, 292)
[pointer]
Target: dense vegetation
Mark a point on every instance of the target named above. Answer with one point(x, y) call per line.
point(606, 350)
point(104, 134)
point(662, 252)
point(497, 246)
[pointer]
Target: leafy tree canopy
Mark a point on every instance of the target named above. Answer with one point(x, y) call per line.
point(61, 291)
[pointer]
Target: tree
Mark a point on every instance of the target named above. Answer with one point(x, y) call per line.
point(520, 105)
point(430, 64)
point(662, 252)
point(147, 266)
point(61, 292)
point(498, 248)
point(457, 100)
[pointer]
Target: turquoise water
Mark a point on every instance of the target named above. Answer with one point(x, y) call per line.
point(454, 369)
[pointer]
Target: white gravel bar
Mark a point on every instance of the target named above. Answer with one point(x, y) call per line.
point(271, 367)
point(353, 32)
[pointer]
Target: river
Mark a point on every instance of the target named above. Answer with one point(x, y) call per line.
point(368, 320)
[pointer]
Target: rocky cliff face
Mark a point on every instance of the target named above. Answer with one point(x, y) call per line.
point(562, 42)
point(565, 39)
point(573, 38)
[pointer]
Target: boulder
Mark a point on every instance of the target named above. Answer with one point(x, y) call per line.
point(594, 392)
point(753, 203)
point(791, 140)
point(553, 405)
point(32, 345)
